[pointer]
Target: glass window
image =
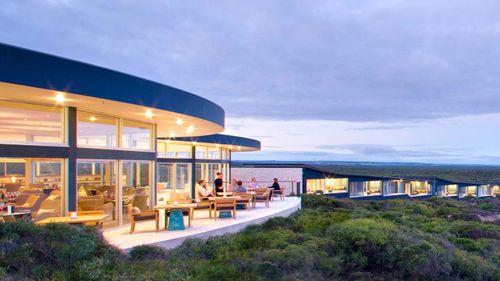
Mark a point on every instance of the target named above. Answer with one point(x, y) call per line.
point(357, 188)
point(214, 153)
point(373, 187)
point(336, 185)
point(136, 135)
point(225, 154)
point(97, 191)
point(468, 191)
point(161, 149)
point(201, 152)
point(27, 123)
point(174, 182)
point(393, 187)
point(419, 188)
point(450, 189)
point(179, 151)
point(485, 190)
point(15, 169)
point(136, 187)
point(96, 130)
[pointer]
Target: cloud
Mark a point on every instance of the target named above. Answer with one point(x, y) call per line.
point(345, 60)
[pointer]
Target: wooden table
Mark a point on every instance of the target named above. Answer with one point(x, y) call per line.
point(81, 219)
point(171, 208)
point(13, 216)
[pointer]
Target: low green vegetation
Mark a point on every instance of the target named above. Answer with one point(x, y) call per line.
point(434, 239)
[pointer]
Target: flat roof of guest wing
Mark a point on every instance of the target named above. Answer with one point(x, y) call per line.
point(234, 143)
point(31, 76)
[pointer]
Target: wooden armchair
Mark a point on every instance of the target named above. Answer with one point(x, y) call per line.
point(245, 200)
point(137, 215)
point(280, 192)
point(262, 195)
point(225, 204)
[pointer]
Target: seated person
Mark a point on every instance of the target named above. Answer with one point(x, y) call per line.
point(202, 191)
point(253, 184)
point(276, 185)
point(240, 188)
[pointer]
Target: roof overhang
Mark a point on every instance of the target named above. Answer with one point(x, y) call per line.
point(30, 76)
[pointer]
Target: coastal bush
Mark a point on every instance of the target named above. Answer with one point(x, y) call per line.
point(328, 239)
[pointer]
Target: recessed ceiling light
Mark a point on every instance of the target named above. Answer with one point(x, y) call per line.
point(217, 145)
point(179, 121)
point(194, 143)
point(92, 118)
point(239, 147)
point(148, 113)
point(230, 147)
point(60, 98)
point(172, 134)
point(190, 129)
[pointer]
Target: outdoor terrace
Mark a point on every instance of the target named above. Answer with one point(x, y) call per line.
point(201, 226)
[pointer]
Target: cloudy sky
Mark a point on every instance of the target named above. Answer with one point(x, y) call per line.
point(370, 80)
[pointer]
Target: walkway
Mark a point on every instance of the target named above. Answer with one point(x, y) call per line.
point(201, 226)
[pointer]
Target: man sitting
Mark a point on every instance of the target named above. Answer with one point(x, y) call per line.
point(240, 188)
point(202, 191)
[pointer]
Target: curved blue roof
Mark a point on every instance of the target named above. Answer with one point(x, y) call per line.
point(251, 144)
point(35, 69)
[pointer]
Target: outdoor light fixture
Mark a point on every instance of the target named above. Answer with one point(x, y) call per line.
point(179, 121)
point(60, 98)
point(148, 114)
point(190, 129)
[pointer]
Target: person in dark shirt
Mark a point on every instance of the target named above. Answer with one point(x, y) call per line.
point(218, 183)
point(276, 185)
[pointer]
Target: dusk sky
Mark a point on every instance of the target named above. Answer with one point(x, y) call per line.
point(411, 81)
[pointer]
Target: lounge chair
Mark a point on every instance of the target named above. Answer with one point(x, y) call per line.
point(225, 204)
point(280, 192)
point(245, 200)
point(262, 195)
point(137, 215)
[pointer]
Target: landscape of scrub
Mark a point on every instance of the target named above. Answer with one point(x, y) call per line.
point(328, 239)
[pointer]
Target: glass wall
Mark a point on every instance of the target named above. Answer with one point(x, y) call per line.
point(208, 172)
point(336, 185)
point(449, 190)
point(365, 188)
point(97, 130)
point(136, 187)
point(174, 182)
point(417, 188)
point(357, 188)
point(137, 135)
point(35, 185)
point(315, 185)
point(97, 190)
point(485, 190)
point(394, 187)
point(468, 191)
point(28, 123)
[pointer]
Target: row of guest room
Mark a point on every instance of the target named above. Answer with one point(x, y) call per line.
point(302, 178)
point(77, 137)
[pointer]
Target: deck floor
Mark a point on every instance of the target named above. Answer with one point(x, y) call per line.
point(201, 226)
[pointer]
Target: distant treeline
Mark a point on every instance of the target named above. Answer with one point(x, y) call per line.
point(459, 173)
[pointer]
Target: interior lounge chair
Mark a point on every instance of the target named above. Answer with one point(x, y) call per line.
point(262, 195)
point(12, 187)
point(50, 207)
point(137, 215)
point(32, 203)
point(245, 200)
point(225, 204)
point(186, 212)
